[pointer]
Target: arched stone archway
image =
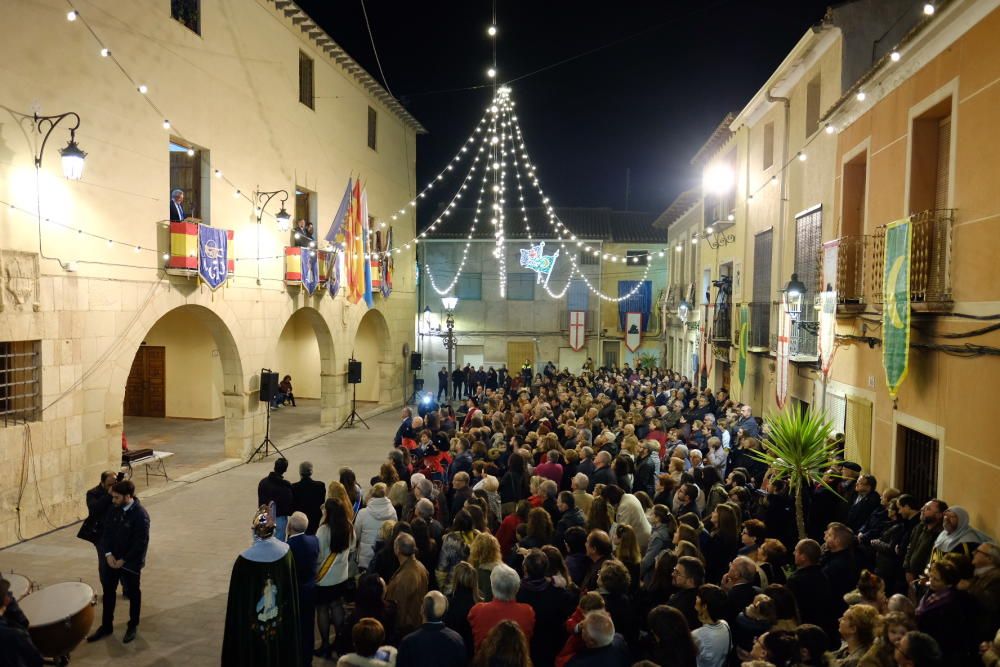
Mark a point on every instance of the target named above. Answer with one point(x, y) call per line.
point(306, 351)
point(185, 328)
point(372, 346)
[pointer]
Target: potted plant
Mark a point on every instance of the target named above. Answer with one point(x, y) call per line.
point(798, 448)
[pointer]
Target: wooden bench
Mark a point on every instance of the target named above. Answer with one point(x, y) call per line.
point(156, 461)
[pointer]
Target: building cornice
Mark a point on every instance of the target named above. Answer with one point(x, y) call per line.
point(322, 41)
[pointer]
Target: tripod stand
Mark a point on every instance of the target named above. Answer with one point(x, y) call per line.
point(267, 444)
point(354, 416)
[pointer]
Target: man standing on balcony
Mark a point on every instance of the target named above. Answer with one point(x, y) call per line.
point(177, 213)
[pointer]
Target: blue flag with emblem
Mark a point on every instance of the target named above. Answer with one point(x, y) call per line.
point(310, 269)
point(213, 250)
point(335, 237)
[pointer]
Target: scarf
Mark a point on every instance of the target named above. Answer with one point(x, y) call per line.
point(964, 533)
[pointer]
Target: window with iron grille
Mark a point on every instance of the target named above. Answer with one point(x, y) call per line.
point(306, 88)
point(808, 239)
point(641, 257)
point(760, 305)
point(372, 129)
point(521, 286)
point(588, 259)
point(919, 463)
point(188, 13)
point(20, 381)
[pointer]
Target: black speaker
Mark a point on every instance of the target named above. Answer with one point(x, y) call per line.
point(268, 385)
point(415, 360)
point(354, 372)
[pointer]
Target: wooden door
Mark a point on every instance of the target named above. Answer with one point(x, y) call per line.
point(517, 352)
point(146, 389)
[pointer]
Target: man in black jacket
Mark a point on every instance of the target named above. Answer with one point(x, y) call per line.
point(839, 565)
point(603, 474)
point(275, 488)
point(98, 506)
point(738, 586)
point(308, 496)
point(811, 588)
point(442, 383)
point(687, 577)
point(645, 468)
point(866, 502)
point(124, 542)
point(433, 644)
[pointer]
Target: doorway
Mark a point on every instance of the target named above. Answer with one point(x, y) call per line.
point(517, 352)
point(610, 353)
point(145, 389)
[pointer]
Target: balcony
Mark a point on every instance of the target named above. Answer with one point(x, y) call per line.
point(802, 338)
point(759, 326)
point(851, 255)
point(722, 324)
point(930, 262)
point(182, 241)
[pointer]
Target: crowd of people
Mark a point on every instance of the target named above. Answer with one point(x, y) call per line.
point(620, 517)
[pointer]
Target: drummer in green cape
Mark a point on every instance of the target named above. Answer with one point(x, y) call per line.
point(262, 617)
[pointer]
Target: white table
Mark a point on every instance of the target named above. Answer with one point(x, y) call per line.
point(156, 461)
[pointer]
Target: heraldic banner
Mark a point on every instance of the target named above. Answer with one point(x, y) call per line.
point(744, 335)
point(310, 270)
point(782, 356)
point(577, 329)
point(213, 248)
point(896, 303)
point(633, 331)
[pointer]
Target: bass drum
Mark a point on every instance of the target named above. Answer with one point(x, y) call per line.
point(59, 617)
point(20, 586)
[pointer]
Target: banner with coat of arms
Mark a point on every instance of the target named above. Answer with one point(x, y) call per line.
point(633, 331)
point(782, 356)
point(896, 303)
point(744, 336)
point(577, 329)
point(310, 270)
point(213, 249)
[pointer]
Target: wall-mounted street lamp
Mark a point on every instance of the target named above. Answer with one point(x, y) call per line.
point(794, 292)
point(683, 310)
point(72, 156)
point(264, 198)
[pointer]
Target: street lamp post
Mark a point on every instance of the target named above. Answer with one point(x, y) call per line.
point(450, 303)
point(72, 157)
point(262, 199)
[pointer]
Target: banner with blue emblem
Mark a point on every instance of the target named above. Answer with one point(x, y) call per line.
point(310, 270)
point(213, 250)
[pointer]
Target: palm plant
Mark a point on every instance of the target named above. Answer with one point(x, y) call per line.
point(798, 449)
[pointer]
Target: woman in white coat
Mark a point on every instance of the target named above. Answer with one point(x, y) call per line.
point(369, 521)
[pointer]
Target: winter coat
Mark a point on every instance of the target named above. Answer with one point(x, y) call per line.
point(367, 525)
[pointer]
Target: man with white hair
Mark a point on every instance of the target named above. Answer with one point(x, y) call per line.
point(605, 647)
point(504, 582)
point(433, 644)
point(305, 551)
point(583, 499)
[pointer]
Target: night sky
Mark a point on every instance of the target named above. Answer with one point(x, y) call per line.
point(669, 73)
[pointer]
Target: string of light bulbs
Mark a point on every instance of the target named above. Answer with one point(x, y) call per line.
point(472, 228)
point(74, 15)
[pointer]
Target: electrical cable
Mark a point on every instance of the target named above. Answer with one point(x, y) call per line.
point(385, 81)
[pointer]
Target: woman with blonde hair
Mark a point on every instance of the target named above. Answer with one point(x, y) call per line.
point(484, 555)
point(337, 491)
point(892, 627)
point(857, 630)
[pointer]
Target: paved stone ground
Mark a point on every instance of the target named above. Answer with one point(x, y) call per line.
point(198, 527)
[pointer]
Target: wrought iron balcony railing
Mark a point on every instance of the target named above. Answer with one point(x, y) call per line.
point(930, 261)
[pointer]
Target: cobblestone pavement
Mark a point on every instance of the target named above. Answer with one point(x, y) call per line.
point(198, 527)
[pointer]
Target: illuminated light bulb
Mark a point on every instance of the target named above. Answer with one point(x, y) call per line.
point(678, 247)
point(105, 53)
point(861, 96)
point(143, 88)
point(166, 256)
point(491, 72)
point(218, 173)
point(709, 229)
point(494, 109)
point(694, 240)
point(166, 124)
point(929, 9)
point(895, 56)
point(71, 15)
point(660, 254)
point(802, 157)
point(190, 152)
point(830, 129)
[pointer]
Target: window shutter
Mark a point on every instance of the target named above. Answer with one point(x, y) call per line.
point(762, 267)
point(943, 161)
point(858, 432)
